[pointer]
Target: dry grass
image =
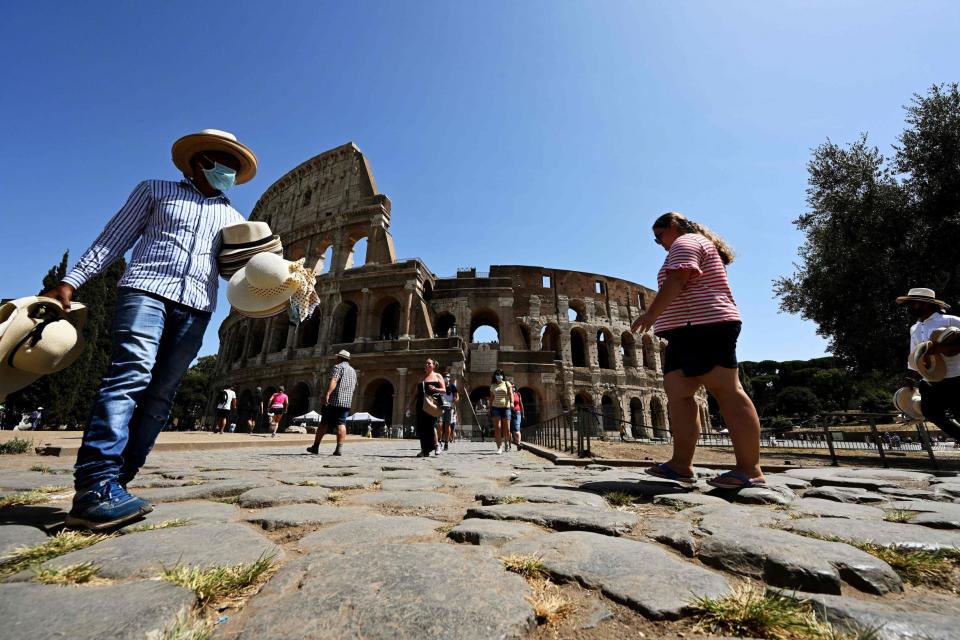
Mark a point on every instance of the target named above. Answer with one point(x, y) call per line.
point(508, 500)
point(308, 483)
point(228, 500)
point(85, 573)
point(549, 604)
point(335, 496)
point(444, 529)
point(530, 567)
point(23, 498)
point(40, 468)
point(166, 524)
point(618, 499)
point(900, 515)
point(15, 446)
point(220, 585)
point(187, 626)
point(752, 612)
point(64, 542)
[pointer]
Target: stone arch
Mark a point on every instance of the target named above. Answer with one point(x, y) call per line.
point(578, 348)
point(628, 349)
point(649, 359)
point(484, 318)
point(525, 336)
point(322, 256)
point(608, 408)
point(344, 326)
point(378, 399)
point(258, 328)
point(479, 393)
point(296, 251)
point(278, 338)
point(658, 417)
point(358, 254)
point(550, 340)
point(576, 311)
point(531, 405)
point(637, 418)
point(245, 408)
point(663, 355)
point(238, 343)
point(309, 330)
point(583, 399)
point(299, 401)
point(605, 349)
point(445, 325)
point(388, 310)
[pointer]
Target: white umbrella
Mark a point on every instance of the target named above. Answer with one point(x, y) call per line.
point(363, 416)
point(310, 416)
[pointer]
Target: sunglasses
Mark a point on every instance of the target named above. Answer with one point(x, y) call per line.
point(657, 236)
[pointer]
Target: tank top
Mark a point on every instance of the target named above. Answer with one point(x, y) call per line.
point(502, 395)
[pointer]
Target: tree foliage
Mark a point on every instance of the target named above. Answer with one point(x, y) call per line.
point(876, 227)
point(195, 389)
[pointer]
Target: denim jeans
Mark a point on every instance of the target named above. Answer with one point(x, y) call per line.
point(154, 340)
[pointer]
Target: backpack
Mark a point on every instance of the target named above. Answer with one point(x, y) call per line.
point(223, 397)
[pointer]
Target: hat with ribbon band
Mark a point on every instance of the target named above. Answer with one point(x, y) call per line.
point(922, 294)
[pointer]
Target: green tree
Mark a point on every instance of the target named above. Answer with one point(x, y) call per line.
point(797, 401)
point(194, 390)
point(876, 227)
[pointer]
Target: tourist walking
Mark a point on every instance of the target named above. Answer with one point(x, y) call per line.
point(166, 297)
point(279, 403)
point(448, 418)
point(336, 402)
point(431, 386)
point(227, 403)
point(36, 417)
point(255, 414)
point(516, 417)
point(695, 312)
point(937, 396)
point(501, 405)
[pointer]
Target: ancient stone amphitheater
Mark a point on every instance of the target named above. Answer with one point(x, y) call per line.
point(563, 336)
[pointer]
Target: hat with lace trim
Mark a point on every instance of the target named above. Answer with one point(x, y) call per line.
point(268, 284)
point(37, 337)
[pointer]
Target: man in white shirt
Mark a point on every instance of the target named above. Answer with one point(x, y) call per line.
point(936, 398)
point(227, 404)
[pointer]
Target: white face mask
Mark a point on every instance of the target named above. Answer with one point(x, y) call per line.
point(499, 378)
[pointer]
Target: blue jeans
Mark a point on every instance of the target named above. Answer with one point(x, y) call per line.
point(153, 342)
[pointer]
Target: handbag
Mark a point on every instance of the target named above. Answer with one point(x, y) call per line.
point(431, 406)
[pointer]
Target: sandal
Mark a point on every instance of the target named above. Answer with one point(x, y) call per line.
point(664, 472)
point(735, 480)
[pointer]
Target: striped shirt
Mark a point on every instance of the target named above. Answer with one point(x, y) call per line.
point(177, 234)
point(346, 377)
point(706, 298)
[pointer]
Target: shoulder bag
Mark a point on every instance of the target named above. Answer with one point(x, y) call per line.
point(431, 406)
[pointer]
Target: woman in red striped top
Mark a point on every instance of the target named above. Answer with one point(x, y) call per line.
point(695, 312)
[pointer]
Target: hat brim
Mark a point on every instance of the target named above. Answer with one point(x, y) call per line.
point(247, 300)
point(188, 146)
point(906, 402)
point(271, 247)
point(939, 303)
point(269, 313)
point(937, 370)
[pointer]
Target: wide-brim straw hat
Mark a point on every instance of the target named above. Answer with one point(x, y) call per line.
point(262, 287)
point(245, 237)
point(935, 371)
point(922, 294)
point(343, 353)
point(907, 402)
point(190, 145)
point(37, 338)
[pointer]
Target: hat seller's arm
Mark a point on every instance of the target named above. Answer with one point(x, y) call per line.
point(114, 241)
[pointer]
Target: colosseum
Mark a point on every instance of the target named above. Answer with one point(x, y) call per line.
point(563, 336)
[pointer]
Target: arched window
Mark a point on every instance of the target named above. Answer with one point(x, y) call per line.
point(628, 349)
point(345, 322)
point(258, 327)
point(578, 348)
point(604, 349)
point(609, 411)
point(657, 415)
point(550, 340)
point(307, 197)
point(576, 311)
point(358, 254)
point(649, 360)
point(485, 327)
point(378, 400)
point(278, 340)
point(637, 422)
point(307, 332)
point(445, 325)
point(389, 320)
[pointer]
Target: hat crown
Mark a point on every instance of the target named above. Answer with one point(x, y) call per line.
point(246, 232)
point(49, 354)
point(343, 353)
point(218, 132)
point(922, 292)
point(267, 270)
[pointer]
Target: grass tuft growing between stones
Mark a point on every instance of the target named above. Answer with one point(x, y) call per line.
point(900, 515)
point(188, 627)
point(509, 500)
point(308, 483)
point(166, 524)
point(549, 604)
point(530, 567)
point(618, 499)
point(219, 585)
point(335, 496)
point(752, 612)
point(444, 529)
point(15, 446)
point(23, 498)
point(64, 542)
point(74, 574)
point(40, 468)
point(228, 500)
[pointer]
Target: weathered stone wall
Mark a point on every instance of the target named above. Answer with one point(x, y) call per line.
point(563, 336)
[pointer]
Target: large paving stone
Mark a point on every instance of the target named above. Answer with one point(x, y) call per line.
point(471, 485)
point(340, 482)
point(146, 553)
point(14, 536)
point(846, 494)
point(684, 500)
point(783, 480)
point(561, 517)
point(713, 517)
point(640, 575)
point(491, 532)
point(787, 560)
point(887, 534)
point(405, 499)
point(203, 511)
point(765, 495)
point(896, 476)
point(542, 495)
point(124, 611)
point(672, 532)
point(832, 509)
point(888, 622)
point(939, 515)
point(283, 494)
point(27, 480)
point(871, 484)
point(298, 515)
point(411, 484)
point(381, 592)
point(213, 489)
point(43, 516)
point(371, 530)
point(918, 494)
point(638, 485)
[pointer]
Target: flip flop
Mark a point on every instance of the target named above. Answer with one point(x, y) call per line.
point(734, 480)
point(664, 472)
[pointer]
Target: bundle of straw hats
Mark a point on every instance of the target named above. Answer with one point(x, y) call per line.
point(933, 368)
point(243, 241)
point(264, 286)
point(37, 337)
point(907, 402)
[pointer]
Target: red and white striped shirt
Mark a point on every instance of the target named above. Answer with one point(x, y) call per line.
point(706, 298)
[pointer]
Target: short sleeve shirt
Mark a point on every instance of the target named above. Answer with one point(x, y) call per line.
point(228, 403)
point(346, 377)
point(706, 298)
point(920, 332)
point(277, 400)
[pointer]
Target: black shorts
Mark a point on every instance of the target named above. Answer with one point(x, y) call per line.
point(697, 349)
point(223, 413)
point(333, 416)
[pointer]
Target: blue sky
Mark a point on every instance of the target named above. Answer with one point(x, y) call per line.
point(542, 133)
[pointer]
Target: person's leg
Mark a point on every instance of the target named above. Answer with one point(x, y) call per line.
point(740, 416)
point(935, 399)
point(182, 337)
point(341, 437)
point(136, 335)
point(684, 419)
point(317, 437)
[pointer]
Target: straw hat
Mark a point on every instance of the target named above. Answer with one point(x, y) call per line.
point(214, 140)
point(907, 402)
point(243, 241)
point(935, 371)
point(343, 353)
point(921, 294)
point(263, 286)
point(37, 337)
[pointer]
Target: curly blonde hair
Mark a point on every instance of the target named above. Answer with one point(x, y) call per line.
point(685, 225)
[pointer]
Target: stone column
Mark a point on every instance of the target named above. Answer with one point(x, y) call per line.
point(363, 316)
point(592, 360)
point(408, 290)
point(247, 339)
point(400, 397)
point(509, 331)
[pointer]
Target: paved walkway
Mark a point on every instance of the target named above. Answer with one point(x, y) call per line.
point(380, 544)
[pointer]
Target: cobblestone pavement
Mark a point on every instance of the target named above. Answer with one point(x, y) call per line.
point(380, 544)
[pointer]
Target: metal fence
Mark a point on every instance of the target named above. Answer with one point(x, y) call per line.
point(568, 432)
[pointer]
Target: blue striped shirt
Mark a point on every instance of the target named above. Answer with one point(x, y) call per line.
point(177, 234)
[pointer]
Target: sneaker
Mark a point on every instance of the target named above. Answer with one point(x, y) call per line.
point(273, 435)
point(422, 455)
point(499, 450)
point(104, 506)
point(313, 449)
point(436, 451)
point(336, 452)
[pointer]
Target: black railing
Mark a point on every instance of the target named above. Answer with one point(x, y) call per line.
point(568, 432)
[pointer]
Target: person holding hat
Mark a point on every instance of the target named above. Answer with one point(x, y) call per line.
point(937, 397)
point(166, 298)
point(336, 402)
